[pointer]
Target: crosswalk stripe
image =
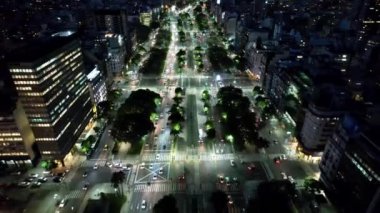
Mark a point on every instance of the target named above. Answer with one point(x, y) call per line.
point(177, 187)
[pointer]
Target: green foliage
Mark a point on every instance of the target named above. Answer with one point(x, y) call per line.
point(219, 59)
point(166, 204)
point(133, 118)
point(142, 33)
point(48, 164)
point(155, 63)
point(273, 196)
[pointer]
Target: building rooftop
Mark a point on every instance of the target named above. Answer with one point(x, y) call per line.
point(38, 48)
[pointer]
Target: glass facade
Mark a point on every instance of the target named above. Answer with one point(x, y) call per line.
point(55, 97)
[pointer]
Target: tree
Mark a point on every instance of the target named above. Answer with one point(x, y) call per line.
point(219, 201)
point(96, 129)
point(312, 184)
point(117, 180)
point(273, 196)
point(166, 204)
point(259, 43)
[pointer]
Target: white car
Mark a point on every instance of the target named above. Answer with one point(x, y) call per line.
point(291, 179)
point(143, 204)
point(155, 177)
point(284, 176)
point(160, 171)
point(232, 162)
point(62, 203)
point(157, 156)
point(96, 166)
point(283, 157)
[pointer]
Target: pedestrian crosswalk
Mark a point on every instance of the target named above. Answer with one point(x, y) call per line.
point(76, 194)
point(156, 157)
point(208, 157)
point(161, 187)
point(202, 157)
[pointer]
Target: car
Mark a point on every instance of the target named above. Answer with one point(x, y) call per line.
point(251, 166)
point(85, 174)
point(24, 184)
point(57, 179)
point(164, 147)
point(35, 185)
point(291, 179)
point(62, 203)
point(16, 173)
point(283, 157)
point(33, 175)
point(109, 164)
point(95, 166)
point(276, 160)
point(105, 147)
point(42, 179)
point(221, 150)
point(118, 165)
point(275, 142)
point(29, 179)
point(142, 166)
point(284, 176)
point(85, 186)
point(151, 166)
point(228, 181)
point(232, 162)
point(143, 204)
point(160, 171)
point(221, 179)
point(155, 177)
point(157, 156)
point(217, 151)
point(181, 177)
point(155, 137)
point(230, 201)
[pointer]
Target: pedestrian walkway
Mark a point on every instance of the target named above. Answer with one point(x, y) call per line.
point(76, 194)
point(208, 157)
point(161, 187)
point(153, 157)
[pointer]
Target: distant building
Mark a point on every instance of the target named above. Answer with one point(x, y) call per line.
point(146, 18)
point(51, 84)
point(321, 119)
point(115, 55)
point(16, 136)
point(97, 86)
point(111, 21)
point(350, 167)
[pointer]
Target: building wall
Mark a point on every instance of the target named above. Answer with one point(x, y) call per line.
point(55, 97)
point(319, 125)
point(16, 136)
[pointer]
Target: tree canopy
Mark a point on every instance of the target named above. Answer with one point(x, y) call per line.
point(166, 204)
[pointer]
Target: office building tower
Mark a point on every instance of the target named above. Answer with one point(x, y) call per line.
point(51, 84)
point(350, 166)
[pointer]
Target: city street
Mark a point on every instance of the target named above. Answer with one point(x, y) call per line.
point(189, 170)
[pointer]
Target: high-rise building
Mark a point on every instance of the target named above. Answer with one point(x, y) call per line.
point(16, 136)
point(111, 21)
point(350, 166)
point(51, 84)
point(115, 55)
point(97, 86)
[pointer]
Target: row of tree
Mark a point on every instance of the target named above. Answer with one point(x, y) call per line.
point(239, 123)
point(270, 196)
point(134, 117)
point(177, 112)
